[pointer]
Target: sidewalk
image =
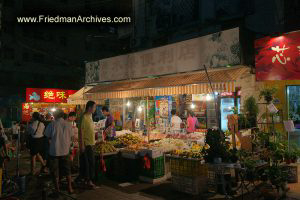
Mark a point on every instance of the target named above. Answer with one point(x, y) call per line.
point(111, 190)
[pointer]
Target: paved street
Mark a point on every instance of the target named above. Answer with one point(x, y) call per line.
point(111, 190)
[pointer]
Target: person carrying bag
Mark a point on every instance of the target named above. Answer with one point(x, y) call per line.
point(36, 141)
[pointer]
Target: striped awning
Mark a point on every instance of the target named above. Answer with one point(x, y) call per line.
point(192, 83)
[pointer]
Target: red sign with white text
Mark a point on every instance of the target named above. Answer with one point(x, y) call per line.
point(26, 110)
point(278, 58)
point(48, 95)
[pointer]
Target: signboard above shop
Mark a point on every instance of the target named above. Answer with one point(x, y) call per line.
point(278, 58)
point(48, 95)
point(215, 50)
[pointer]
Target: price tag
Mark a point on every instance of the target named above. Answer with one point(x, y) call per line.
point(289, 125)
point(272, 108)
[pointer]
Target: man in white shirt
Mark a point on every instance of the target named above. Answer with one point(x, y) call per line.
point(60, 133)
point(175, 123)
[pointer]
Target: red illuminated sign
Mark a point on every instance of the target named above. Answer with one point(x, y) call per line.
point(278, 58)
point(48, 95)
point(26, 110)
point(224, 94)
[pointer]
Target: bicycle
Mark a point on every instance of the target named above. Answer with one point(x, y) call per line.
point(10, 186)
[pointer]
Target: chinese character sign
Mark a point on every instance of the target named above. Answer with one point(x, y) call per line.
point(48, 95)
point(278, 58)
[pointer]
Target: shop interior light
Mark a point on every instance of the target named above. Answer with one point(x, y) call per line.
point(140, 108)
point(208, 97)
point(53, 109)
point(128, 104)
point(193, 106)
point(216, 93)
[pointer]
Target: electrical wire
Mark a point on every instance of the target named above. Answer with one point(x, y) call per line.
point(212, 89)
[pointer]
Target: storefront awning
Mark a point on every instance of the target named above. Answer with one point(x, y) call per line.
point(78, 97)
point(223, 80)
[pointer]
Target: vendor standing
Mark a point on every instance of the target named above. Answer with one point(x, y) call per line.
point(109, 124)
point(191, 123)
point(175, 123)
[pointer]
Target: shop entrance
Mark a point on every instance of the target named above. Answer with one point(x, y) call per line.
point(293, 101)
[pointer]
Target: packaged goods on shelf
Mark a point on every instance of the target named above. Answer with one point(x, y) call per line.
point(123, 132)
point(168, 144)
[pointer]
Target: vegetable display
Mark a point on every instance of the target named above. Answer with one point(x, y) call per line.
point(104, 147)
point(128, 139)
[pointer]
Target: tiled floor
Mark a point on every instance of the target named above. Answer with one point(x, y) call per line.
point(109, 193)
point(295, 187)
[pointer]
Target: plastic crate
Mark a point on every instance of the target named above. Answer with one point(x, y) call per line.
point(190, 185)
point(152, 153)
point(187, 167)
point(157, 168)
point(167, 167)
point(99, 175)
point(129, 169)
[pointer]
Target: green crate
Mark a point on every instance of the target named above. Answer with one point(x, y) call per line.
point(157, 168)
point(131, 169)
point(99, 175)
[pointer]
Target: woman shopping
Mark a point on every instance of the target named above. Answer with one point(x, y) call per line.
point(36, 134)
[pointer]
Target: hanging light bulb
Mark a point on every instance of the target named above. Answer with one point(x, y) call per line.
point(208, 97)
point(193, 106)
point(53, 109)
point(140, 108)
point(128, 104)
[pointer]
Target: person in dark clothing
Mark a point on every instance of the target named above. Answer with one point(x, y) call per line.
point(36, 131)
point(3, 150)
point(109, 124)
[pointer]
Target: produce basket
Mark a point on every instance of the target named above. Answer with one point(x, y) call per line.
point(190, 185)
point(156, 170)
point(187, 166)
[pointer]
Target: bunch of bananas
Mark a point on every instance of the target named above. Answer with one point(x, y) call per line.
point(104, 147)
point(194, 152)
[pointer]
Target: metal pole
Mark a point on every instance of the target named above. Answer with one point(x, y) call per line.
point(18, 153)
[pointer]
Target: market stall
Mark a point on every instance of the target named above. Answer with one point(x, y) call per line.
point(142, 109)
point(46, 101)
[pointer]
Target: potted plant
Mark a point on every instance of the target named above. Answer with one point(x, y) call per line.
point(276, 186)
point(294, 156)
point(251, 111)
point(288, 157)
point(250, 169)
point(233, 155)
point(268, 94)
point(243, 122)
